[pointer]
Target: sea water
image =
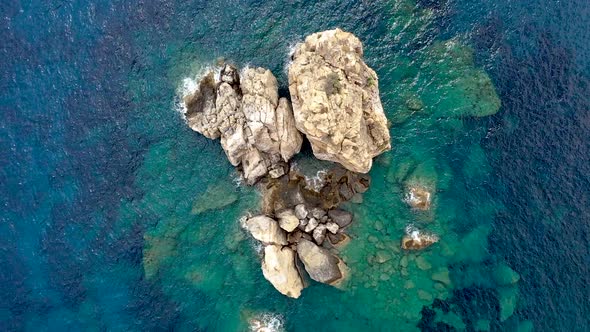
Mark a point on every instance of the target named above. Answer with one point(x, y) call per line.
point(116, 216)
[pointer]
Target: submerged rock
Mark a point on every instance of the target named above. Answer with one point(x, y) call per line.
point(257, 129)
point(278, 267)
point(265, 230)
point(217, 196)
point(319, 263)
point(336, 100)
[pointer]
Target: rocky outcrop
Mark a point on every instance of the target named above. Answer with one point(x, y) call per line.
point(256, 127)
point(278, 267)
point(336, 100)
point(265, 230)
point(319, 263)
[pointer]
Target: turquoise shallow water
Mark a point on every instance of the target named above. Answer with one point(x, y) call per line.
point(118, 217)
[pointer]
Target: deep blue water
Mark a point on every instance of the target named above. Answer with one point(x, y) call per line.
point(84, 93)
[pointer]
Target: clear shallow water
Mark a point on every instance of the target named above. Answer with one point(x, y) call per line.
point(100, 177)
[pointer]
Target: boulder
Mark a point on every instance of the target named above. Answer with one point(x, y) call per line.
point(265, 230)
point(332, 227)
point(311, 225)
point(319, 263)
point(287, 220)
point(256, 127)
point(319, 234)
point(318, 213)
point(278, 267)
point(301, 211)
point(340, 217)
point(336, 100)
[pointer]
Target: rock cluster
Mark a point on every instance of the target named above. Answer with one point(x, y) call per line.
point(297, 227)
point(256, 127)
point(336, 100)
point(336, 105)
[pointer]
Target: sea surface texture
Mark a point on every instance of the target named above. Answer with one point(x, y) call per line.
point(116, 216)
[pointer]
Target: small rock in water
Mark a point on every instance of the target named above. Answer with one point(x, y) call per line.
point(332, 227)
point(301, 211)
point(319, 234)
point(311, 225)
point(340, 217)
point(324, 219)
point(416, 240)
point(418, 198)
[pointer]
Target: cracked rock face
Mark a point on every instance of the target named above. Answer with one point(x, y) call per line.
point(336, 101)
point(256, 127)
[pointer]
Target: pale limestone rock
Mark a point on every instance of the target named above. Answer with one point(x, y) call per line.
point(287, 220)
point(257, 129)
point(278, 267)
point(265, 230)
point(311, 225)
point(319, 263)
point(332, 227)
point(319, 234)
point(301, 211)
point(336, 100)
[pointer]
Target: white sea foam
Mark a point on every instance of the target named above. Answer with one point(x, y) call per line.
point(289, 60)
point(190, 85)
point(314, 182)
point(266, 322)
